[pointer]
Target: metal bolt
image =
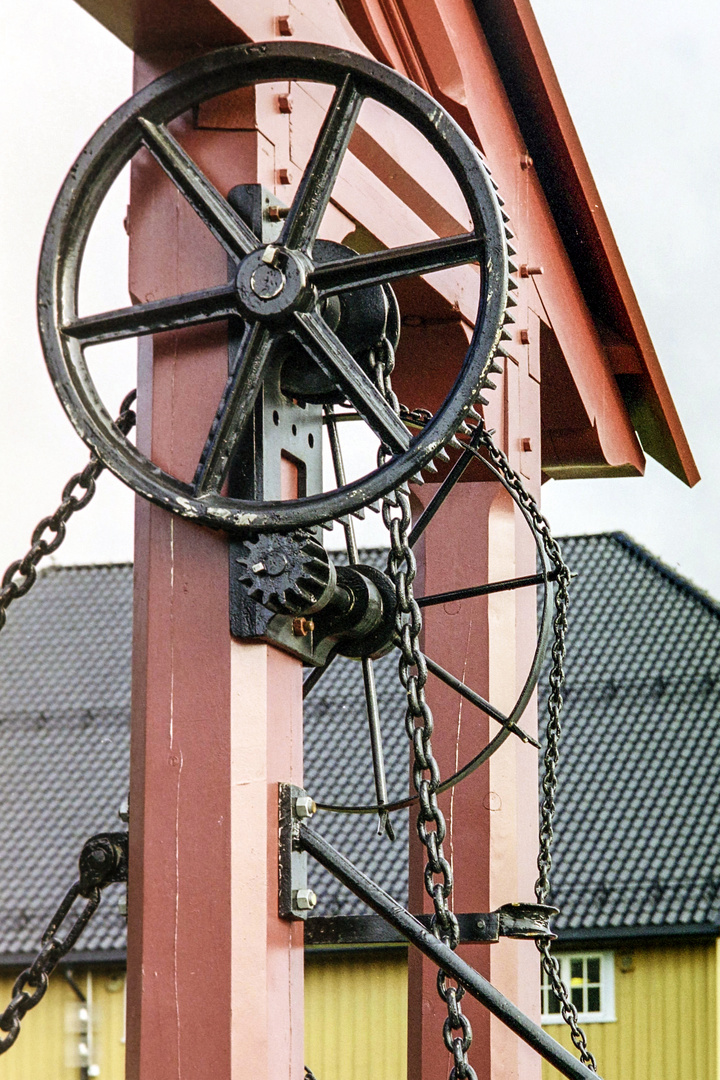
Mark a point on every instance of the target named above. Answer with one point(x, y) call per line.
point(99, 856)
point(277, 213)
point(305, 806)
point(302, 627)
point(531, 271)
point(305, 899)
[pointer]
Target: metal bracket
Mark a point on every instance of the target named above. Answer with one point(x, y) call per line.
point(295, 899)
point(516, 921)
point(281, 430)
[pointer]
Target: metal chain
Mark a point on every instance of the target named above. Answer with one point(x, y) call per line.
point(402, 569)
point(21, 575)
point(549, 962)
point(102, 861)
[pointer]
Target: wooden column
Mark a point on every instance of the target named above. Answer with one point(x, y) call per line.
point(215, 978)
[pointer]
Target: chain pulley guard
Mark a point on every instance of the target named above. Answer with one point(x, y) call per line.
point(288, 293)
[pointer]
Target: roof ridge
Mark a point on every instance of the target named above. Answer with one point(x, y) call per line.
point(683, 583)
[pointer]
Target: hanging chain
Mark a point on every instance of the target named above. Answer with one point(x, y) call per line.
point(103, 860)
point(402, 569)
point(21, 575)
point(549, 962)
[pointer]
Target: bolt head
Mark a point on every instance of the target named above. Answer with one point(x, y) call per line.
point(305, 900)
point(99, 856)
point(305, 807)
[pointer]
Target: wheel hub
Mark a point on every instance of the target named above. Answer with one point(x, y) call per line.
point(272, 283)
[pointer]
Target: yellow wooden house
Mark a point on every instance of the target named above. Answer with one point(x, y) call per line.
point(636, 872)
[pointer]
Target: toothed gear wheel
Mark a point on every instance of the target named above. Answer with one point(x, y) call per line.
point(290, 573)
point(280, 290)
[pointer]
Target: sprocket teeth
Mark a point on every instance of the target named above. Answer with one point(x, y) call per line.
point(505, 215)
point(375, 507)
point(509, 234)
point(500, 351)
point(417, 479)
point(489, 384)
point(455, 443)
point(431, 467)
point(505, 335)
point(327, 525)
point(442, 454)
point(508, 318)
point(495, 369)
point(360, 513)
point(512, 267)
point(511, 250)
point(512, 284)
point(510, 301)
point(483, 400)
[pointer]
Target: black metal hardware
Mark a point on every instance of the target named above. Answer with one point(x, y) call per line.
point(447, 960)
point(103, 860)
point(295, 899)
point(512, 920)
point(281, 289)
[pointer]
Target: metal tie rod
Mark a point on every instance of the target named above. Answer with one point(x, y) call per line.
point(453, 965)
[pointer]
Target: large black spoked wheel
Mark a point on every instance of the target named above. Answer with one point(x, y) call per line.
point(279, 289)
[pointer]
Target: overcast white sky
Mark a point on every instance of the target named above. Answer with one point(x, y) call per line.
point(643, 84)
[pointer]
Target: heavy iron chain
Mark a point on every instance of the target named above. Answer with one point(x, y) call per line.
point(21, 575)
point(402, 569)
point(549, 962)
point(98, 861)
point(103, 860)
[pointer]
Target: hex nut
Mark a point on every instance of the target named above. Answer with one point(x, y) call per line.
point(305, 806)
point(305, 899)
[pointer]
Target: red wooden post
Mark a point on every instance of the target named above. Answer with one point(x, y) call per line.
point(215, 978)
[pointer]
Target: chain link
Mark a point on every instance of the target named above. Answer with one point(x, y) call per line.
point(21, 575)
point(549, 962)
point(419, 724)
point(102, 861)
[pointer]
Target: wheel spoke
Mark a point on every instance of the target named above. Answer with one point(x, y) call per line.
point(382, 266)
point(235, 407)
point(331, 355)
point(485, 590)
point(313, 195)
point(371, 703)
point(156, 316)
point(439, 497)
point(207, 202)
point(479, 702)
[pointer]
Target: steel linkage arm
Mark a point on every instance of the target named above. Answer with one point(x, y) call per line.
point(396, 915)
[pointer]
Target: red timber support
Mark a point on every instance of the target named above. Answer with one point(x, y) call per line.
point(215, 978)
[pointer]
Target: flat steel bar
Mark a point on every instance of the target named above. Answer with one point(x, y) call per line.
point(452, 964)
point(382, 266)
point(479, 702)
point(207, 202)
point(484, 590)
point(328, 351)
point(171, 313)
point(313, 195)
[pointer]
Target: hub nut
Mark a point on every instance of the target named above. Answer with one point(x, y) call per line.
point(305, 807)
point(305, 899)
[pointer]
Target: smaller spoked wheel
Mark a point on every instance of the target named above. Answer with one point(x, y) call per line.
point(378, 712)
point(281, 291)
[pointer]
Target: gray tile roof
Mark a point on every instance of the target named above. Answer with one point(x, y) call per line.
point(64, 745)
point(638, 822)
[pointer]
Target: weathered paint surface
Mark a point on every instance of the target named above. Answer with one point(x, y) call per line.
point(666, 1008)
point(47, 1048)
point(356, 1014)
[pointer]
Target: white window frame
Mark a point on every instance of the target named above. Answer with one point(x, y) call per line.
point(607, 987)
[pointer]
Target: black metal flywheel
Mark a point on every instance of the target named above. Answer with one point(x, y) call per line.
point(278, 290)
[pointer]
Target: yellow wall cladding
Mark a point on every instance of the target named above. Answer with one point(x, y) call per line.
point(356, 1014)
point(47, 1047)
point(666, 1027)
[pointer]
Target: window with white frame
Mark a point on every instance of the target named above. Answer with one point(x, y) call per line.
point(590, 978)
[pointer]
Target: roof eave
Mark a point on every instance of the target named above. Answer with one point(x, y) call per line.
point(531, 84)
